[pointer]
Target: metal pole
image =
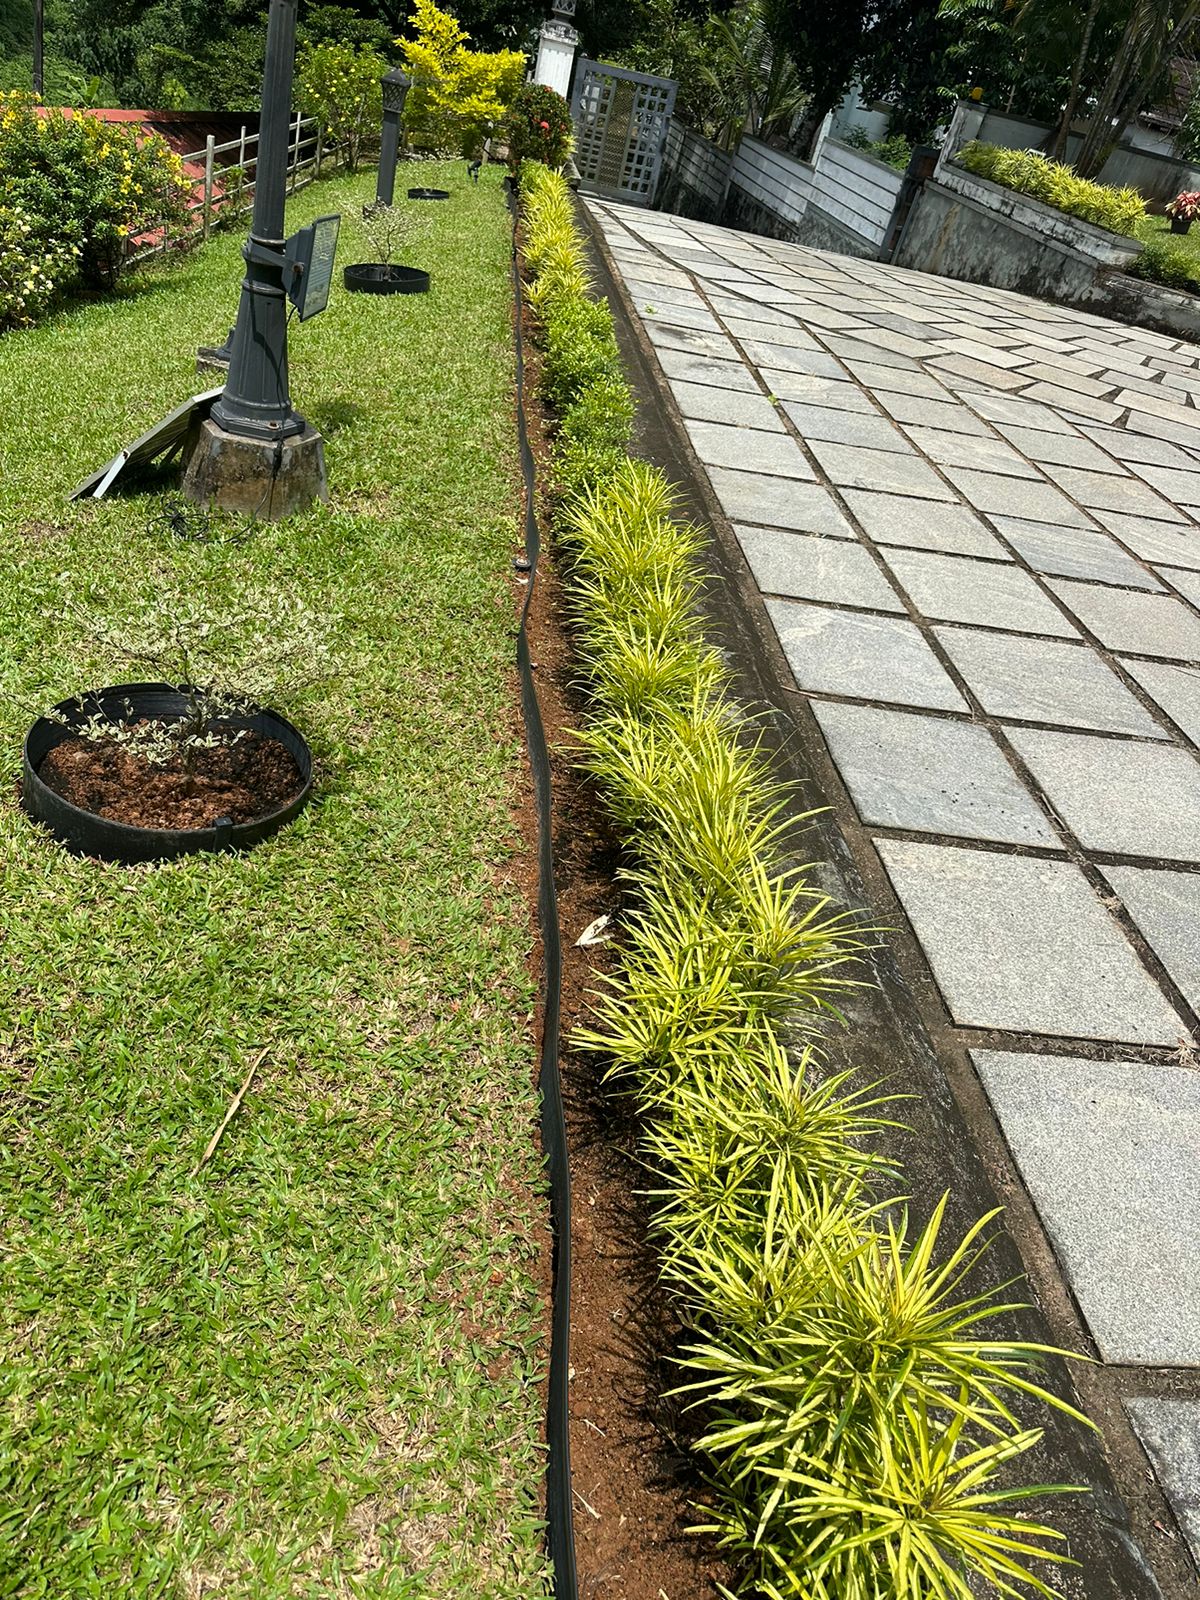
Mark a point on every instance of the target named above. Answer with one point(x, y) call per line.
point(256, 402)
point(389, 147)
point(39, 33)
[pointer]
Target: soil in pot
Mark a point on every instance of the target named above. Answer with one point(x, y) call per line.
point(243, 781)
point(372, 277)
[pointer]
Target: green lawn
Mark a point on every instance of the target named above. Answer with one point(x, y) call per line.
point(311, 1370)
point(1160, 228)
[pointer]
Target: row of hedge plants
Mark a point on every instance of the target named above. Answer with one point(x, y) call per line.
point(859, 1417)
point(1029, 172)
point(74, 192)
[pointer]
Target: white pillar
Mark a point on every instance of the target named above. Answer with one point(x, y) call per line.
point(557, 44)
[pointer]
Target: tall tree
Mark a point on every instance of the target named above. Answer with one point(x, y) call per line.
point(1157, 31)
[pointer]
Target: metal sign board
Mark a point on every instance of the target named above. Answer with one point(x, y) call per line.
point(164, 437)
point(308, 265)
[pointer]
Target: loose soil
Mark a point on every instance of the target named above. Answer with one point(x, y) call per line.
point(637, 1488)
point(242, 781)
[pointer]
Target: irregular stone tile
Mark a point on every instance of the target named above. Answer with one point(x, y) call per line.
point(925, 524)
point(791, 337)
point(1186, 581)
point(1170, 1431)
point(994, 377)
point(885, 470)
point(945, 415)
point(810, 389)
point(857, 350)
point(765, 319)
point(1109, 1151)
point(1021, 413)
point(984, 452)
point(791, 358)
point(679, 316)
point(1079, 405)
point(1109, 492)
point(778, 502)
point(748, 449)
point(871, 431)
point(976, 350)
point(1040, 680)
point(706, 403)
point(1074, 376)
point(809, 567)
point(717, 345)
point(1129, 798)
point(1013, 497)
point(930, 775)
point(864, 657)
point(1181, 488)
point(651, 297)
point(1154, 541)
point(1075, 553)
point(956, 589)
point(689, 367)
point(1166, 907)
point(1024, 945)
point(899, 380)
point(1176, 689)
point(1142, 624)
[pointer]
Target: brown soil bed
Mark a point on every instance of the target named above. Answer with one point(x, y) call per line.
point(242, 781)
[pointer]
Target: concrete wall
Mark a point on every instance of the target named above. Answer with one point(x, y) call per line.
point(843, 201)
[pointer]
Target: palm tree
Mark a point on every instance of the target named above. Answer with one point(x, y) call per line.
point(1156, 31)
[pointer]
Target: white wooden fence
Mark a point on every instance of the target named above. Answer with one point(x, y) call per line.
point(224, 175)
point(847, 185)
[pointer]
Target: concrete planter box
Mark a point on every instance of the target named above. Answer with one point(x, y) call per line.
point(1044, 223)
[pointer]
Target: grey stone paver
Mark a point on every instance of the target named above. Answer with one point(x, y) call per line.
point(837, 426)
point(1166, 907)
point(808, 388)
point(928, 774)
point(865, 657)
point(1075, 553)
point(794, 358)
point(1154, 541)
point(988, 454)
point(1111, 1153)
point(720, 444)
point(1185, 580)
point(1175, 688)
point(709, 404)
point(1014, 497)
point(957, 589)
point(805, 566)
point(1129, 798)
point(690, 367)
point(1110, 492)
point(1141, 624)
point(1170, 1430)
point(887, 470)
point(1024, 945)
point(924, 524)
point(778, 502)
point(1043, 680)
point(945, 414)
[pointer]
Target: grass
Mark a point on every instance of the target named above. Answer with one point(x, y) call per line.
point(1160, 228)
point(311, 1369)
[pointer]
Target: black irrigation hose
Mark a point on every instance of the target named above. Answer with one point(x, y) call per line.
point(559, 1518)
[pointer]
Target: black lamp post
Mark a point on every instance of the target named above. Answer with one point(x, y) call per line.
point(39, 32)
point(395, 92)
point(256, 403)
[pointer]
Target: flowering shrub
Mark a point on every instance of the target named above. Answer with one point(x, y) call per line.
point(76, 190)
point(538, 127)
point(339, 84)
point(457, 94)
point(1185, 206)
point(30, 271)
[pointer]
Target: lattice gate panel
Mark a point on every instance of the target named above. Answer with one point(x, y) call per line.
point(621, 121)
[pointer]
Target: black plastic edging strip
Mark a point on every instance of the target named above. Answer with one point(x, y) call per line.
point(559, 1518)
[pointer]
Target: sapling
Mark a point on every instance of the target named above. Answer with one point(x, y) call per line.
point(226, 667)
point(392, 230)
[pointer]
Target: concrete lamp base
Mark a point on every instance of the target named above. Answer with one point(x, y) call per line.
point(256, 477)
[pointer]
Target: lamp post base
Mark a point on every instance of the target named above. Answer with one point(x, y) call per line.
point(256, 477)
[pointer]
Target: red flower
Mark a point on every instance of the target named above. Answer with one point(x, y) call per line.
point(544, 126)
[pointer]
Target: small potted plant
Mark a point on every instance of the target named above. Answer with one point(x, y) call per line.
point(1184, 210)
point(194, 760)
point(391, 230)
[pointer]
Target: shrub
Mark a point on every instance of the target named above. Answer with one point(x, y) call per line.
point(538, 127)
point(895, 150)
point(457, 95)
point(84, 186)
point(1028, 172)
point(1162, 261)
point(340, 85)
point(32, 270)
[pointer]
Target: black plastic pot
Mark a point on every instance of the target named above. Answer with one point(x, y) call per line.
point(1181, 224)
point(371, 277)
point(87, 834)
point(429, 194)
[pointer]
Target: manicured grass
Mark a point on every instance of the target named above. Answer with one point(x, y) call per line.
point(312, 1369)
point(1160, 228)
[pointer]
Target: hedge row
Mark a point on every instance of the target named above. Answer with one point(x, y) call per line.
point(1028, 172)
point(858, 1420)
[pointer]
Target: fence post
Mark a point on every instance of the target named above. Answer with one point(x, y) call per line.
point(320, 147)
point(296, 153)
point(208, 184)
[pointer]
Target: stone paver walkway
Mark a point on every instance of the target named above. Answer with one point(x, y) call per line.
point(973, 519)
